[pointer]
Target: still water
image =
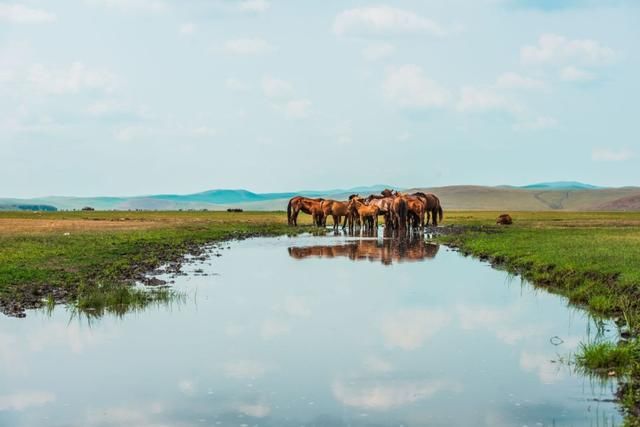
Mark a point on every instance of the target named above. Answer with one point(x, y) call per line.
point(312, 331)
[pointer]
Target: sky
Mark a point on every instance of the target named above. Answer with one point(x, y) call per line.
point(129, 97)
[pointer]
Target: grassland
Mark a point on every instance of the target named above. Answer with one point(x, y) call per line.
point(84, 258)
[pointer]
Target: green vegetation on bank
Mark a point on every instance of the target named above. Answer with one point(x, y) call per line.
point(85, 257)
point(591, 258)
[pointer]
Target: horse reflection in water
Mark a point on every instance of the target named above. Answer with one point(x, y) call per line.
point(386, 251)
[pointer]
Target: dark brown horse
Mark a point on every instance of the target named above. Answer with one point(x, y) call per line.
point(432, 207)
point(309, 206)
point(398, 213)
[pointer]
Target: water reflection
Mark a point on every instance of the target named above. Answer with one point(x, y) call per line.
point(386, 251)
point(268, 340)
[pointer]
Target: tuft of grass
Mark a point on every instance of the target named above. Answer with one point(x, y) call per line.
point(116, 299)
point(604, 357)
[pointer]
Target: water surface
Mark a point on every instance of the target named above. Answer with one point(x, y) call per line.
point(312, 331)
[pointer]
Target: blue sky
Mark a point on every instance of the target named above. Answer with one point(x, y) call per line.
point(123, 97)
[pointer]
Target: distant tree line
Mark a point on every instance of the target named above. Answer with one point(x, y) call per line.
point(24, 207)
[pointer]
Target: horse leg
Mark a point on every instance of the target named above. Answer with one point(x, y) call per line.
point(434, 215)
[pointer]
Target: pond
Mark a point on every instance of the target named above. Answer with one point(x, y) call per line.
point(313, 331)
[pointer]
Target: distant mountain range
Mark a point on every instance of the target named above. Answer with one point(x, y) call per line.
point(562, 195)
point(560, 185)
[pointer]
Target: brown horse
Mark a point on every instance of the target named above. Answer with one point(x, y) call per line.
point(336, 210)
point(432, 206)
point(368, 214)
point(416, 209)
point(309, 206)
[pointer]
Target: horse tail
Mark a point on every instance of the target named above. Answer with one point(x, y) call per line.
point(402, 213)
point(289, 212)
point(440, 213)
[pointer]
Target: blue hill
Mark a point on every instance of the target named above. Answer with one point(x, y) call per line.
point(560, 185)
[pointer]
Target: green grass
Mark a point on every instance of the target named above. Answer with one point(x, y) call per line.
point(608, 358)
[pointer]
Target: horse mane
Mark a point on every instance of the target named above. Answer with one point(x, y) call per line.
point(419, 193)
point(353, 196)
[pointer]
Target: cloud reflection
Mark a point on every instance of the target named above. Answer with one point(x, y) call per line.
point(388, 394)
point(244, 369)
point(409, 329)
point(25, 400)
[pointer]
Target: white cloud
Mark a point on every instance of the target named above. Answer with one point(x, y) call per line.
point(23, 14)
point(297, 109)
point(377, 365)
point(187, 387)
point(244, 369)
point(555, 49)
point(512, 80)
point(547, 371)
point(383, 20)
point(501, 321)
point(377, 51)
point(271, 328)
point(296, 306)
point(75, 78)
point(574, 74)
point(254, 5)
point(236, 85)
point(408, 87)
point(409, 329)
point(188, 28)
point(387, 394)
point(248, 46)
point(22, 401)
point(610, 155)
point(131, 5)
point(537, 123)
point(256, 410)
point(276, 88)
point(145, 416)
point(203, 131)
point(473, 99)
point(132, 133)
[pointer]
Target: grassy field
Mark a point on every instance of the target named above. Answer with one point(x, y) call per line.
point(84, 258)
point(68, 256)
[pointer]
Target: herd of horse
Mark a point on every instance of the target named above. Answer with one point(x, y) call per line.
point(401, 211)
